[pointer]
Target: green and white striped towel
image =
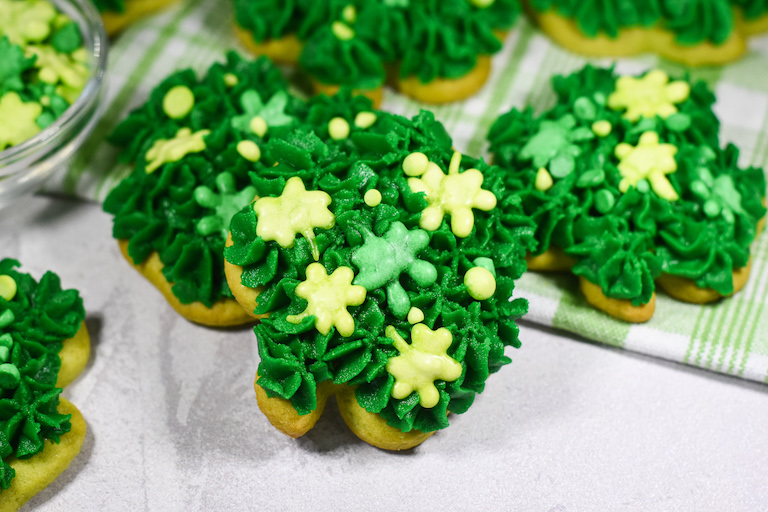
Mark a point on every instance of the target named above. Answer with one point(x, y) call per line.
point(730, 336)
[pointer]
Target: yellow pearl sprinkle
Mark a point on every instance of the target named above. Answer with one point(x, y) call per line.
point(365, 120)
point(349, 14)
point(249, 150)
point(415, 164)
point(415, 316)
point(178, 102)
point(338, 128)
point(231, 80)
point(342, 31)
point(258, 126)
point(543, 180)
point(481, 284)
point(602, 128)
point(7, 287)
point(372, 197)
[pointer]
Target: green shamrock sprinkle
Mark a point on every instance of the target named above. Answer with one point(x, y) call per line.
point(554, 145)
point(381, 260)
point(272, 113)
point(225, 204)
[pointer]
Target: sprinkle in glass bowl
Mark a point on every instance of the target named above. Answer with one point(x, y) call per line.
point(24, 168)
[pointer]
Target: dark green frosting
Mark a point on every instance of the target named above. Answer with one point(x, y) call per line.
point(623, 241)
point(33, 325)
point(425, 38)
point(158, 211)
point(295, 358)
point(692, 22)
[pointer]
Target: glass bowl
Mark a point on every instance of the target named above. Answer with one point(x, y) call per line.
point(25, 167)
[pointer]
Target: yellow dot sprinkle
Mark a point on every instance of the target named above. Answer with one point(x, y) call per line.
point(415, 316)
point(258, 126)
point(349, 14)
point(7, 287)
point(338, 128)
point(602, 128)
point(372, 197)
point(365, 120)
point(249, 150)
point(178, 102)
point(543, 180)
point(45, 101)
point(481, 284)
point(415, 164)
point(231, 80)
point(342, 31)
point(482, 4)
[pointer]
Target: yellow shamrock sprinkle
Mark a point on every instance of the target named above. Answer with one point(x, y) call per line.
point(648, 96)
point(17, 120)
point(422, 362)
point(328, 298)
point(648, 160)
point(454, 194)
point(25, 22)
point(164, 151)
point(54, 67)
point(295, 211)
point(7, 287)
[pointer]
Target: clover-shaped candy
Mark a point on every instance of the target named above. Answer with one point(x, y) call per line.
point(554, 146)
point(226, 203)
point(25, 22)
point(455, 194)
point(55, 67)
point(650, 161)
point(719, 195)
point(296, 211)
point(328, 298)
point(17, 120)
point(164, 151)
point(258, 116)
point(421, 363)
point(381, 260)
point(649, 96)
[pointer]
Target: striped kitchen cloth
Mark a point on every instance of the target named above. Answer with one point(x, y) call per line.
point(730, 336)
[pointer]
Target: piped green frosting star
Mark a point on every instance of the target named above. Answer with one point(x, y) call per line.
point(381, 260)
point(226, 203)
point(421, 363)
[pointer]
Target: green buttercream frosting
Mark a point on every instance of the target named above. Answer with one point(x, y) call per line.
point(33, 325)
point(426, 38)
point(181, 209)
point(697, 220)
point(692, 22)
point(401, 267)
